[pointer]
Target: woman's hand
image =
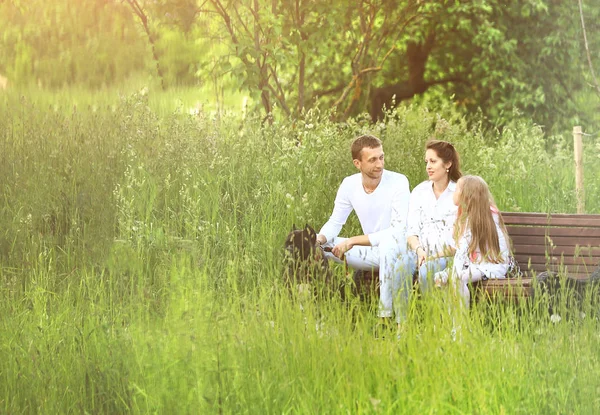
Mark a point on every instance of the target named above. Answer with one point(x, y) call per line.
point(415, 245)
point(421, 255)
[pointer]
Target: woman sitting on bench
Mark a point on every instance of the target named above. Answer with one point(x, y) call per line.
point(431, 216)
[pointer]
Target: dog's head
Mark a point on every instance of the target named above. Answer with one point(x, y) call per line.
point(301, 243)
point(305, 259)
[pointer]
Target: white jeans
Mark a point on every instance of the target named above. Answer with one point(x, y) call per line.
point(383, 258)
point(403, 277)
point(408, 266)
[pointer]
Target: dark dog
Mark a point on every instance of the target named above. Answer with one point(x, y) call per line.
point(305, 260)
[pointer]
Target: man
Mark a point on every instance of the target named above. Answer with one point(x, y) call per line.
point(380, 199)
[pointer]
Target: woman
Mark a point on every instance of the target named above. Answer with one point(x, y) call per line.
point(431, 217)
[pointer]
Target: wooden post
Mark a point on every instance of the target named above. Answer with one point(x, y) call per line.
point(578, 146)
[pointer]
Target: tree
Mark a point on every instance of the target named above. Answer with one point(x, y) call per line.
point(587, 48)
point(290, 55)
point(494, 56)
point(138, 10)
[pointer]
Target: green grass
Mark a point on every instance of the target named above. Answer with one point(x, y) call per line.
point(141, 265)
point(189, 100)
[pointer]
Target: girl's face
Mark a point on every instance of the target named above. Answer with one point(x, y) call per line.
point(456, 195)
point(435, 166)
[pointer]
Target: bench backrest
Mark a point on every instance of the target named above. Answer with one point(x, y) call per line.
point(556, 242)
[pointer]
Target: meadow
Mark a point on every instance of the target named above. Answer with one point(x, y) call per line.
point(141, 261)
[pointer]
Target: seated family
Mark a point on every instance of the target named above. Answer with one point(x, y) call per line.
point(448, 219)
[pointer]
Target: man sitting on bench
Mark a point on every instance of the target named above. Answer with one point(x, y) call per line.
point(380, 199)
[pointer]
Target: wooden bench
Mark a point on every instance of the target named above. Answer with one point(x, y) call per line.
point(564, 243)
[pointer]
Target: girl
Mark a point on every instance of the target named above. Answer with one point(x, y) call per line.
point(480, 235)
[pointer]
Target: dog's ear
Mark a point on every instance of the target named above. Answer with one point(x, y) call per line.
point(294, 227)
point(312, 235)
point(290, 238)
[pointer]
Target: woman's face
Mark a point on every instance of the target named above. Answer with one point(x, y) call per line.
point(456, 195)
point(435, 166)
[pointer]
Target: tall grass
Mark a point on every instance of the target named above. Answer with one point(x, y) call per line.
point(141, 271)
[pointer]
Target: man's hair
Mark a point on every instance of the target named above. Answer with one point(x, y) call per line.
point(361, 142)
point(447, 153)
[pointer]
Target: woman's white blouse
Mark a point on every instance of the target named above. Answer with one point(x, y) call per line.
point(431, 219)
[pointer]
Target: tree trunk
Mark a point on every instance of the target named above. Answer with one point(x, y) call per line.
point(139, 12)
point(302, 63)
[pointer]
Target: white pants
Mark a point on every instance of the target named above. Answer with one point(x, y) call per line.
point(460, 280)
point(383, 258)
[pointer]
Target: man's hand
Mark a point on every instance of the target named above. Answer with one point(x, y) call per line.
point(340, 249)
point(321, 239)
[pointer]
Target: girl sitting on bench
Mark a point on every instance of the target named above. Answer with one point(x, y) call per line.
point(481, 238)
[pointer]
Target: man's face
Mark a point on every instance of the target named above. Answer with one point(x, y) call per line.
point(371, 162)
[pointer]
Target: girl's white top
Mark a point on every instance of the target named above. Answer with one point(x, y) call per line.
point(431, 219)
point(463, 261)
point(381, 213)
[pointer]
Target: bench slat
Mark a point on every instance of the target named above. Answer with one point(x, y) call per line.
point(582, 251)
point(553, 232)
point(508, 288)
point(579, 272)
point(519, 215)
point(529, 273)
point(587, 221)
point(566, 222)
point(557, 240)
point(555, 259)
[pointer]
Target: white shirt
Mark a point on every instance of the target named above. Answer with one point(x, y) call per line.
point(463, 261)
point(431, 219)
point(381, 213)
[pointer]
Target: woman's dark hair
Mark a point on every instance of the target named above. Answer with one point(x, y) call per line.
point(447, 153)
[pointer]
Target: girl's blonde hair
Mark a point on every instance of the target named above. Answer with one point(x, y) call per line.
point(475, 208)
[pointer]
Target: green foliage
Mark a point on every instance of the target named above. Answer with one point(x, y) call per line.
point(180, 56)
point(60, 43)
point(141, 263)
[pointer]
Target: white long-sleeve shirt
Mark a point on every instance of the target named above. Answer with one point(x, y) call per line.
point(381, 213)
point(463, 261)
point(431, 219)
